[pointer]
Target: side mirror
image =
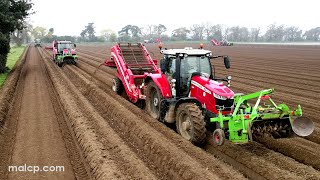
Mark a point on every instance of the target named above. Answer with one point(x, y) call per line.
point(75, 45)
point(226, 62)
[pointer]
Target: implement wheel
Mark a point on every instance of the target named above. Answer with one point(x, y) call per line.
point(153, 99)
point(218, 137)
point(190, 123)
point(117, 86)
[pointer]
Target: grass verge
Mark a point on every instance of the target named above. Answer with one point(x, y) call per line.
point(13, 57)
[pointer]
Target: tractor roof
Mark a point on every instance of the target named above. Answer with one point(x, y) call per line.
point(64, 42)
point(186, 50)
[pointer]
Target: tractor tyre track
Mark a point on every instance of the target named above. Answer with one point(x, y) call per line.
point(35, 133)
point(247, 171)
point(174, 163)
point(270, 156)
point(106, 153)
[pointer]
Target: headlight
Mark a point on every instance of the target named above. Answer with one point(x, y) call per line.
point(219, 97)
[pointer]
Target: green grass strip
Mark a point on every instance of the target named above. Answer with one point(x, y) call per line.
point(13, 57)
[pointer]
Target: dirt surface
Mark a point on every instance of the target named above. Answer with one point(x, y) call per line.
point(38, 138)
point(69, 116)
point(255, 68)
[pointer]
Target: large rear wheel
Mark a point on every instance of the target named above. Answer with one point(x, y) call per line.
point(153, 99)
point(60, 64)
point(190, 123)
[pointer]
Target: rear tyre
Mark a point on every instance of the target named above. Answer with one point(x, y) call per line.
point(190, 123)
point(218, 137)
point(117, 85)
point(60, 64)
point(74, 62)
point(153, 100)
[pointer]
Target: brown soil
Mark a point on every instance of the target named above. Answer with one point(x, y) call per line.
point(255, 78)
point(70, 116)
point(35, 128)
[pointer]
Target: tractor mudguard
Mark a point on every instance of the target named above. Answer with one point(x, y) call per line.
point(187, 99)
point(162, 83)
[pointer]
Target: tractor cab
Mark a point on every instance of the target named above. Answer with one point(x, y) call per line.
point(64, 46)
point(37, 43)
point(180, 64)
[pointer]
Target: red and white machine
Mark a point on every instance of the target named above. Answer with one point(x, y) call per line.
point(184, 90)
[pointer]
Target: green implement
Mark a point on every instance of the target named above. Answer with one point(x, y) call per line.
point(265, 117)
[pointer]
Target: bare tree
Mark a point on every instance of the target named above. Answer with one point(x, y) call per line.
point(217, 32)
point(293, 33)
point(22, 36)
point(150, 28)
point(244, 34)
point(208, 30)
point(89, 33)
point(275, 33)
point(254, 34)
point(160, 29)
point(197, 31)
point(39, 32)
point(312, 34)
point(106, 34)
point(234, 33)
point(130, 32)
point(280, 33)
point(180, 34)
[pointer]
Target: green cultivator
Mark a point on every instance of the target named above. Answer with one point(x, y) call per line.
point(264, 118)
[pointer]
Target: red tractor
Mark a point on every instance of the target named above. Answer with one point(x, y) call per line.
point(182, 91)
point(185, 91)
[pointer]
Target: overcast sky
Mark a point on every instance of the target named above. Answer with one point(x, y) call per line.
point(69, 17)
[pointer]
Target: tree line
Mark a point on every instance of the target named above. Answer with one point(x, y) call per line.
point(12, 16)
point(196, 32)
point(14, 28)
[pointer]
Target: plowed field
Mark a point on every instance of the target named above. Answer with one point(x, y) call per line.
point(70, 117)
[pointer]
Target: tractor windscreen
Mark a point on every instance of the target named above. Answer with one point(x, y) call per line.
point(64, 46)
point(191, 64)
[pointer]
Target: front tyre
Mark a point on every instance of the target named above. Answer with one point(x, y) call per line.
point(190, 123)
point(153, 100)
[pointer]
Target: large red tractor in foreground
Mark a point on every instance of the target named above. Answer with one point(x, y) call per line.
point(185, 91)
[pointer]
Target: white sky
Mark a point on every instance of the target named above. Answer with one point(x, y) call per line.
point(69, 17)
